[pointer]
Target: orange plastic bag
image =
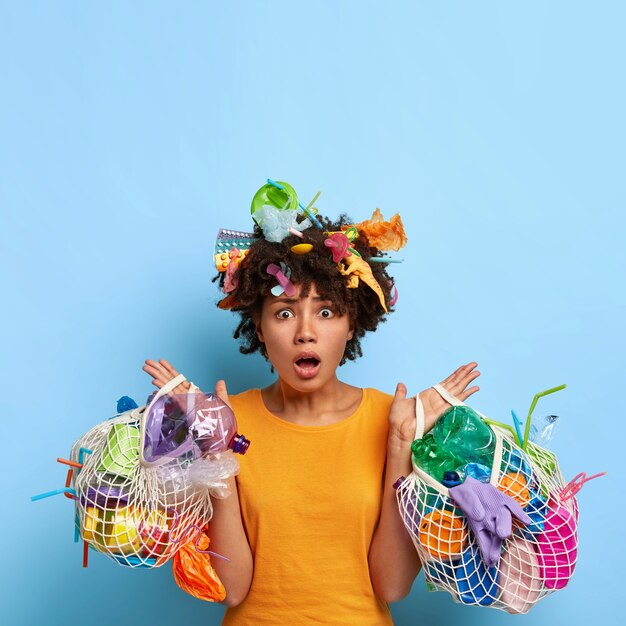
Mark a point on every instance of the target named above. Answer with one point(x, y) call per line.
point(194, 573)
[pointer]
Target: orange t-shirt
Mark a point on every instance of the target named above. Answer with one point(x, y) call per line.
point(310, 500)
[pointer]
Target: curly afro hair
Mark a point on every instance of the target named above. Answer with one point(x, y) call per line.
point(316, 267)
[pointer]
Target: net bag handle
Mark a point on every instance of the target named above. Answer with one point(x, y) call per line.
point(419, 408)
point(419, 433)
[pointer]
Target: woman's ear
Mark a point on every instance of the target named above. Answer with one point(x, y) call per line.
point(259, 333)
point(350, 333)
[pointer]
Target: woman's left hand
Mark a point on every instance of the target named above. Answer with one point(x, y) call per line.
point(402, 413)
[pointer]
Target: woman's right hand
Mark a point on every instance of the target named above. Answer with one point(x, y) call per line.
point(162, 372)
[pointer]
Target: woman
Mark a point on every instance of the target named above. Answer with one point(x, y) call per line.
point(312, 530)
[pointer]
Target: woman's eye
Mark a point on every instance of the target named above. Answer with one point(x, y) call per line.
point(284, 314)
point(327, 313)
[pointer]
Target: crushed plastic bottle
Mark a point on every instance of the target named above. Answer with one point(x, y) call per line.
point(462, 432)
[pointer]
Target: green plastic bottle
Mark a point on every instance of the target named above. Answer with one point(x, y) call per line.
point(433, 458)
point(462, 432)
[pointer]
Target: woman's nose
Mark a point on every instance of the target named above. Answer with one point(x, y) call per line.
point(305, 333)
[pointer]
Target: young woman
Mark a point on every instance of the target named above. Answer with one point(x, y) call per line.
point(311, 528)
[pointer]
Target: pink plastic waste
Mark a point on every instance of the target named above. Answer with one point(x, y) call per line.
point(557, 546)
point(519, 576)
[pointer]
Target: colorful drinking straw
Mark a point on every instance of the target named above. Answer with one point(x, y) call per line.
point(532, 408)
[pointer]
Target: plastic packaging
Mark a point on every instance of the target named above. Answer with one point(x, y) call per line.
point(542, 433)
point(443, 533)
point(518, 576)
point(475, 582)
point(476, 471)
point(211, 472)
point(557, 547)
point(194, 573)
point(121, 450)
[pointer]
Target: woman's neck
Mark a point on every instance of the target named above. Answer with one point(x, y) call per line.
point(328, 405)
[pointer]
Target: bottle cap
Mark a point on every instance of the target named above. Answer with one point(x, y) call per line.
point(239, 444)
point(450, 479)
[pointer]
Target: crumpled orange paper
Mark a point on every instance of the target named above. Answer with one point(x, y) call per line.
point(194, 573)
point(381, 234)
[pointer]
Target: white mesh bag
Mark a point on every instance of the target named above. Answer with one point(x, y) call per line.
point(138, 504)
point(535, 559)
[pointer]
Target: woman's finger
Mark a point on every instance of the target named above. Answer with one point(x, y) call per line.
point(162, 372)
point(458, 375)
point(221, 391)
point(157, 379)
point(400, 392)
point(168, 368)
point(467, 393)
point(463, 383)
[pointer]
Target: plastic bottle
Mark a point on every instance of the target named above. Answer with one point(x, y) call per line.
point(433, 458)
point(196, 425)
point(462, 432)
point(215, 427)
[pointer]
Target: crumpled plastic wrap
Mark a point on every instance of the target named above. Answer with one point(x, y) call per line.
point(210, 473)
point(213, 472)
point(275, 223)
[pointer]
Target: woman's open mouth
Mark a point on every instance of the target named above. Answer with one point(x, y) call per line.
point(307, 365)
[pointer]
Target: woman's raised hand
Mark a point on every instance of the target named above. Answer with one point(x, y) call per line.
point(402, 414)
point(457, 384)
point(162, 372)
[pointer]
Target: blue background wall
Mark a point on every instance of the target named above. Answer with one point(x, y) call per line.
point(130, 132)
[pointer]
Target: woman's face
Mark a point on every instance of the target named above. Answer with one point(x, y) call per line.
point(304, 337)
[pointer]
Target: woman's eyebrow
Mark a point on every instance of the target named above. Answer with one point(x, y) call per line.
point(285, 301)
point(280, 300)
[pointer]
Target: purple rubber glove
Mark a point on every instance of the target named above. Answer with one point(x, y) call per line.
point(489, 514)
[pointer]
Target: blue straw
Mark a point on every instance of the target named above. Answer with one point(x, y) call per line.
point(81, 454)
point(382, 260)
point(56, 492)
point(518, 427)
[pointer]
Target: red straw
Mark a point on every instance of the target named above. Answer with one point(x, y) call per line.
point(72, 463)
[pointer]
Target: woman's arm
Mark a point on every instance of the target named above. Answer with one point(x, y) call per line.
point(228, 538)
point(226, 531)
point(393, 561)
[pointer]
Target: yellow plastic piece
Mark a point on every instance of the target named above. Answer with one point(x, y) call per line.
point(302, 248)
point(122, 534)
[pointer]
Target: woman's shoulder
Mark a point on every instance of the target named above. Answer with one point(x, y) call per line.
point(245, 398)
point(378, 398)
